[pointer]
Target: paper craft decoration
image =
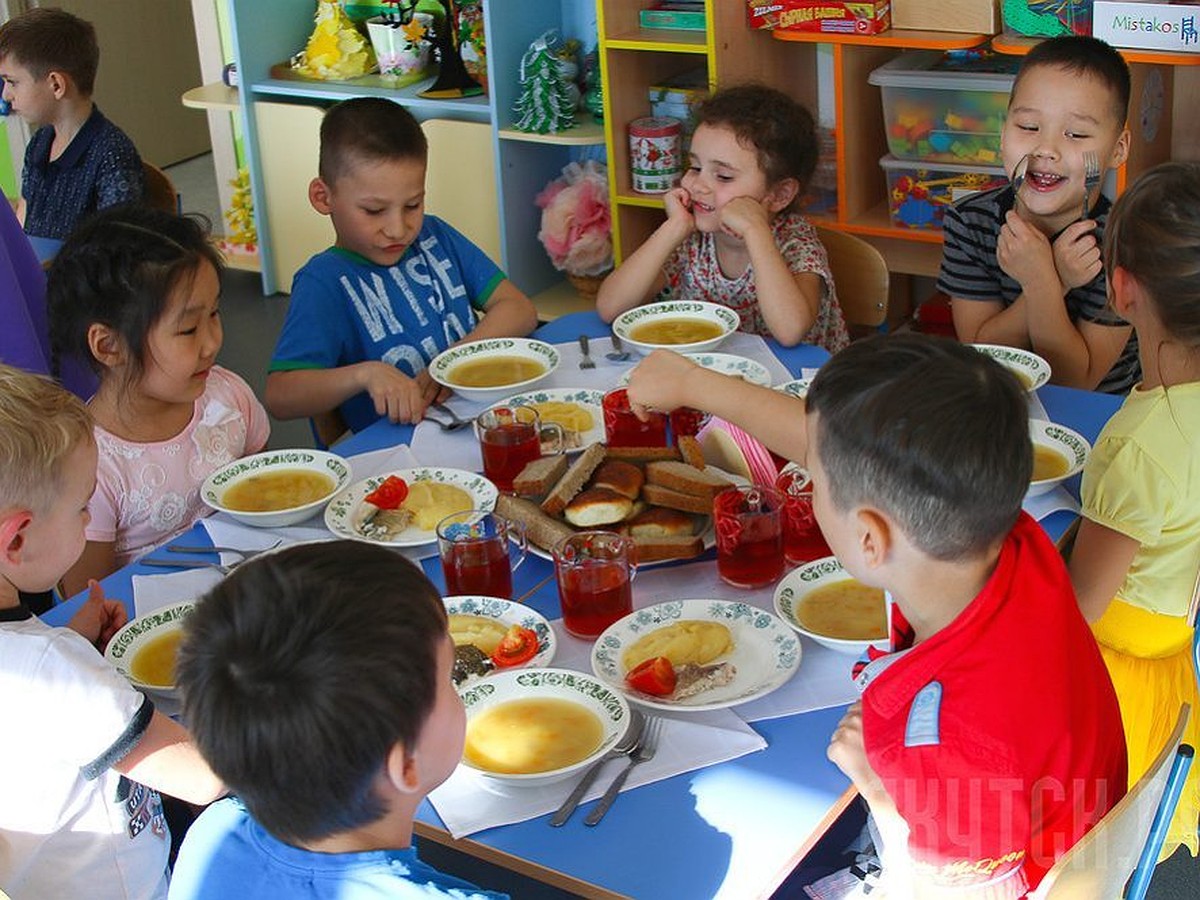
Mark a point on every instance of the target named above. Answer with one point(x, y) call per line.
point(545, 104)
point(335, 50)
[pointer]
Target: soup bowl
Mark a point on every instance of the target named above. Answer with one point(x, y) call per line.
point(275, 463)
point(605, 703)
point(1031, 370)
point(474, 358)
point(631, 325)
point(1070, 447)
point(801, 583)
point(143, 632)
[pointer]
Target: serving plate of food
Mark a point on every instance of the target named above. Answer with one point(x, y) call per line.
point(402, 508)
point(276, 488)
point(725, 363)
point(822, 601)
point(1031, 370)
point(576, 410)
point(503, 634)
point(681, 325)
point(490, 369)
point(721, 653)
point(144, 649)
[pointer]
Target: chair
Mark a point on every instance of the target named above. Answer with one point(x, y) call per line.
point(1128, 839)
point(160, 190)
point(861, 276)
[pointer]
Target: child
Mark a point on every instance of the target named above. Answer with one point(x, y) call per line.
point(733, 234)
point(396, 289)
point(136, 292)
point(71, 823)
point(1135, 560)
point(77, 161)
point(994, 742)
point(283, 662)
point(1023, 267)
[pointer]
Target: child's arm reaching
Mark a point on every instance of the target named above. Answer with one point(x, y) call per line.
point(308, 392)
point(1100, 560)
point(164, 758)
point(640, 276)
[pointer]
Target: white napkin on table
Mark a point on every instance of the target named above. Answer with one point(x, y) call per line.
point(1052, 501)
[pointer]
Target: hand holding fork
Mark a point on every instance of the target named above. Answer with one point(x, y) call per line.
point(1091, 178)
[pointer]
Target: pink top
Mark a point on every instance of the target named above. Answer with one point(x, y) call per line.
point(148, 493)
point(693, 273)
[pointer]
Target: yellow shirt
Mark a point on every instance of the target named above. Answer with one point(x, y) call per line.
point(1143, 480)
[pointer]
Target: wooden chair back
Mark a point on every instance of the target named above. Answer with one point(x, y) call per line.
point(860, 275)
point(160, 190)
point(1100, 864)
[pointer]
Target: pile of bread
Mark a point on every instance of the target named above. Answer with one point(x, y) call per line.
point(662, 497)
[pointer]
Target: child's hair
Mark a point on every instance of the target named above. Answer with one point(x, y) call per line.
point(1082, 55)
point(119, 269)
point(1153, 233)
point(46, 40)
point(41, 424)
point(779, 129)
point(301, 671)
point(931, 432)
point(368, 129)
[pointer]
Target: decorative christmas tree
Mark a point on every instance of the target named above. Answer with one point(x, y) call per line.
point(545, 104)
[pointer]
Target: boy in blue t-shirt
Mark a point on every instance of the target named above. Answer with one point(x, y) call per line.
point(397, 288)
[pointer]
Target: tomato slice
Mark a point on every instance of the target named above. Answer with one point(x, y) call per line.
point(518, 645)
point(390, 494)
point(654, 676)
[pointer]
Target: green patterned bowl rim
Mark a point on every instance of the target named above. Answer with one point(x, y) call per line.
point(1070, 443)
point(801, 580)
point(712, 312)
point(1036, 369)
point(215, 485)
point(133, 634)
point(528, 348)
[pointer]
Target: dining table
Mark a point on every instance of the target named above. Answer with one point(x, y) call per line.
point(734, 829)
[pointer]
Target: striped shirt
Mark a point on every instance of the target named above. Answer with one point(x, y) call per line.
point(970, 272)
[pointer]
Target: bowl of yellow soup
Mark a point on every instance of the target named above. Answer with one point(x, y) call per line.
point(492, 369)
point(685, 326)
point(144, 650)
point(277, 487)
point(823, 602)
point(529, 727)
point(1031, 370)
point(1058, 454)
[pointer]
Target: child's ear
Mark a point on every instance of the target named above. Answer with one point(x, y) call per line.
point(106, 345)
point(320, 196)
point(1120, 150)
point(1124, 292)
point(781, 194)
point(874, 532)
point(59, 83)
point(12, 535)
point(402, 770)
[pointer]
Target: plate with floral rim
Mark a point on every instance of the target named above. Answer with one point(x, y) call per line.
point(588, 399)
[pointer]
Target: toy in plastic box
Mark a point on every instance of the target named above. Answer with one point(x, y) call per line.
point(918, 193)
point(1048, 18)
point(946, 107)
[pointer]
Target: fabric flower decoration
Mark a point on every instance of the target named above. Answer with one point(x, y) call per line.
point(576, 220)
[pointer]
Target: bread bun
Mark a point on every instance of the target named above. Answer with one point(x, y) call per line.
point(658, 521)
point(623, 477)
point(597, 506)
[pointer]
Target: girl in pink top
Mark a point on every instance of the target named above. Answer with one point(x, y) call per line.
point(136, 292)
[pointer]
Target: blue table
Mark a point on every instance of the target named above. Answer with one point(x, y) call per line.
point(734, 829)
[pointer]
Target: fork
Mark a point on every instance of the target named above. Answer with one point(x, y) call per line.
point(586, 362)
point(618, 352)
point(189, 564)
point(1091, 177)
point(245, 554)
point(455, 422)
point(644, 752)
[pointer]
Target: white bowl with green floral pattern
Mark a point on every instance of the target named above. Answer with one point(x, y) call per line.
point(213, 490)
point(135, 636)
point(631, 320)
point(802, 581)
point(441, 369)
point(608, 705)
point(797, 387)
point(1070, 446)
point(726, 363)
point(1031, 370)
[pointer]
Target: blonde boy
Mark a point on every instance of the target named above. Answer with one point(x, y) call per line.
point(1022, 266)
point(71, 823)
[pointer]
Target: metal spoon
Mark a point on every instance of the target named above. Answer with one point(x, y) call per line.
point(618, 352)
point(456, 422)
point(623, 747)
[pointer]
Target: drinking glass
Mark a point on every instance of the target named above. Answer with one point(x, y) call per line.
point(595, 573)
point(622, 427)
point(512, 437)
point(802, 538)
point(749, 527)
point(474, 548)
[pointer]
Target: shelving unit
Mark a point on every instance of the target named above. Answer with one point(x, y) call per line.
point(265, 33)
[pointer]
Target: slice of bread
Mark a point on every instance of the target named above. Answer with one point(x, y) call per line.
point(656, 549)
point(540, 475)
point(657, 495)
point(659, 521)
point(597, 506)
point(691, 451)
point(642, 454)
point(623, 477)
point(541, 530)
point(679, 476)
point(573, 480)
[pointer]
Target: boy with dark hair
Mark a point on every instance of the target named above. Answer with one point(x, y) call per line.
point(1022, 263)
point(77, 161)
point(993, 742)
point(318, 682)
point(397, 288)
point(77, 736)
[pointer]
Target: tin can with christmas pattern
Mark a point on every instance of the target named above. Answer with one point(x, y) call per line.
point(655, 153)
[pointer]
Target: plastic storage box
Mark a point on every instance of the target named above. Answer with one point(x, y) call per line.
point(918, 193)
point(946, 107)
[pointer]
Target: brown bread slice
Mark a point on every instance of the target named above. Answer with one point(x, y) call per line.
point(573, 480)
point(642, 454)
point(657, 495)
point(541, 530)
point(679, 476)
point(657, 549)
point(691, 451)
point(540, 475)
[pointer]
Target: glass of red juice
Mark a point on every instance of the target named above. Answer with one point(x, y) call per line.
point(802, 538)
point(622, 427)
point(510, 437)
point(749, 526)
point(474, 548)
point(686, 421)
point(595, 574)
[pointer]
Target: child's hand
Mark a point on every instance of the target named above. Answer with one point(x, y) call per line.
point(846, 749)
point(678, 203)
point(99, 618)
point(742, 215)
point(431, 391)
point(659, 382)
point(1077, 254)
point(400, 398)
point(1024, 253)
